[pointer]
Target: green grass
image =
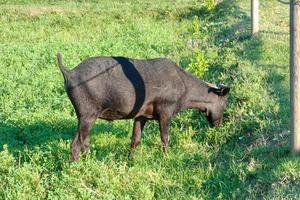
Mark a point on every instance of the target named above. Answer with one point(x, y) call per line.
point(248, 157)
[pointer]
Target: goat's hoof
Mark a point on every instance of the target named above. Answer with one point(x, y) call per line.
point(130, 156)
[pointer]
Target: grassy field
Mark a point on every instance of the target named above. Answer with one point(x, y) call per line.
point(248, 157)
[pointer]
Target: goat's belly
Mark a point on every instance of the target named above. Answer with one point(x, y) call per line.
point(111, 114)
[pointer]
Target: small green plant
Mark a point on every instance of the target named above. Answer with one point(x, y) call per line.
point(198, 65)
point(6, 159)
point(209, 5)
point(196, 26)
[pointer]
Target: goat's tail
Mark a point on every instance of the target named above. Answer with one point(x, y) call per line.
point(61, 66)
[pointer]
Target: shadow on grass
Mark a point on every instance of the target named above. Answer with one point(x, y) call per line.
point(52, 140)
point(29, 136)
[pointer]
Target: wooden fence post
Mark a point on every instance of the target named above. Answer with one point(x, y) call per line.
point(295, 73)
point(254, 16)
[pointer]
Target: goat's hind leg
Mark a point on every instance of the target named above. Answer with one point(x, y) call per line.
point(138, 127)
point(81, 139)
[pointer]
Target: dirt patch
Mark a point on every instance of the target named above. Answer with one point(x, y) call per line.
point(39, 10)
point(35, 11)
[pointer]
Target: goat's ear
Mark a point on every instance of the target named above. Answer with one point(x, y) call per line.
point(224, 90)
point(221, 90)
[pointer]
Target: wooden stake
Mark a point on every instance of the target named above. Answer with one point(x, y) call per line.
point(254, 16)
point(295, 73)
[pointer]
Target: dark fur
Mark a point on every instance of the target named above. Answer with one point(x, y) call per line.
point(113, 88)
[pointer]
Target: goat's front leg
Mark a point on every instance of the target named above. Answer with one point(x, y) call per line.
point(164, 131)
